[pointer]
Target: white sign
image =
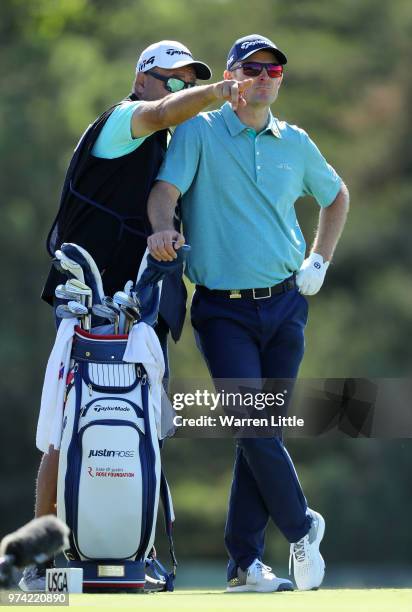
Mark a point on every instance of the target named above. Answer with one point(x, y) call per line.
point(64, 580)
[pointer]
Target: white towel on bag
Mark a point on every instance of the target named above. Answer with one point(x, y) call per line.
point(143, 347)
point(49, 424)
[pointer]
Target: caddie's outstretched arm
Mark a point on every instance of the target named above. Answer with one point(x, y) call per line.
point(165, 240)
point(151, 116)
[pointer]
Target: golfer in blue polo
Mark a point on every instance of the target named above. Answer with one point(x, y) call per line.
point(239, 174)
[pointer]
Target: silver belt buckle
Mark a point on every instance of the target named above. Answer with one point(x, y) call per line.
point(262, 297)
point(235, 294)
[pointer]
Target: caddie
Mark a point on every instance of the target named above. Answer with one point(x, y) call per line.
point(240, 172)
point(103, 205)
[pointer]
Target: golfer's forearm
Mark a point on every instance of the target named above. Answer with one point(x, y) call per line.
point(331, 223)
point(183, 105)
point(161, 206)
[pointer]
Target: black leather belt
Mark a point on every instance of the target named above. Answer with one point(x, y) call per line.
point(255, 294)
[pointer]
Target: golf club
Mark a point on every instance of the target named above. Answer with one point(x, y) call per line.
point(64, 294)
point(130, 316)
point(70, 266)
point(83, 259)
point(79, 288)
point(128, 308)
point(105, 312)
point(115, 308)
point(81, 311)
point(63, 312)
point(123, 299)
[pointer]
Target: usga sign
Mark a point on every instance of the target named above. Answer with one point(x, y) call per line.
point(64, 580)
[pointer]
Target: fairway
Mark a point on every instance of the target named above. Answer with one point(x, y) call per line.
point(325, 600)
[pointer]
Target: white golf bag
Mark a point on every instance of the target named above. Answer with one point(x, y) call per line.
point(110, 476)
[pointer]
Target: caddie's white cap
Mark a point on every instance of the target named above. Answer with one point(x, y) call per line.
point(171, 54)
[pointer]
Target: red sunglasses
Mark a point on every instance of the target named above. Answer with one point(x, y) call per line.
point(253, 69)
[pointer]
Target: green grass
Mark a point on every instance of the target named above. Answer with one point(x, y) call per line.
point(333, 600)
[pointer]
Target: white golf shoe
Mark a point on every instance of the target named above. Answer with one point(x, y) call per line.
point(308, 563)
point(33, 579)
point(259, 578)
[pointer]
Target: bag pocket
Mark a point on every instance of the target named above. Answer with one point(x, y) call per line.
point(111, 377)
point(110, 490)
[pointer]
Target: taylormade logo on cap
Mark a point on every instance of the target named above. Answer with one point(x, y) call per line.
point(251, 43)
point(178, 52)
point(171, 54)
point(245, 46)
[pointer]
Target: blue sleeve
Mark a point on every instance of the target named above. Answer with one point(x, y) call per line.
point(320, 180)
point(182, 158)
point(115, 139)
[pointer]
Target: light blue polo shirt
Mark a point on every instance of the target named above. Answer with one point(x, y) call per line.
point(116, 139)
point(239, 189)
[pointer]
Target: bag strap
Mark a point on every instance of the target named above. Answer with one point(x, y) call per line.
point(160, 572)
point(166, 497)
point(167, 503)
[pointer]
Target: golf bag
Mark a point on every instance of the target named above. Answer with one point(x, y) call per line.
point(110, 476)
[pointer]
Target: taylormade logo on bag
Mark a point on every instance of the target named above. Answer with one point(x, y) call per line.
point(100, 408)
point(103, 452)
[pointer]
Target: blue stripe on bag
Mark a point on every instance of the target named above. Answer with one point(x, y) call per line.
point(149, 461)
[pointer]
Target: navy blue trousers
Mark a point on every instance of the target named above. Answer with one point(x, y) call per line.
point(246, 338)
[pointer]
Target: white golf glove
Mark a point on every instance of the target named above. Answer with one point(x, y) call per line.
point(311, 275)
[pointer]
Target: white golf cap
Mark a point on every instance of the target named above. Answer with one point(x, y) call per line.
point(171, 54)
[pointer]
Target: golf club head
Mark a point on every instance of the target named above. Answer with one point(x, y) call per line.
point(63, 312)
point(104, 312)
point(90, 270)
point(123, 299)
point(76, 286)
point(110, 303)
point(57, 265)
point(63, 293)
point(128, 287)
point(60, 292)
point(80, 310)
point(68, 266)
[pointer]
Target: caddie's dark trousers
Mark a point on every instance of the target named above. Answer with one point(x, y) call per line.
point(247, 338)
